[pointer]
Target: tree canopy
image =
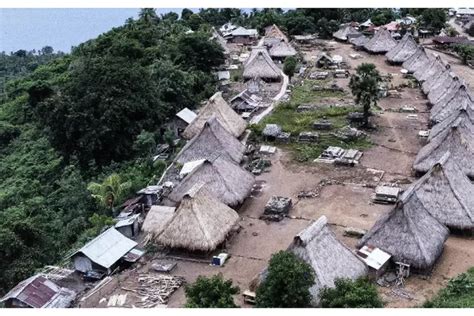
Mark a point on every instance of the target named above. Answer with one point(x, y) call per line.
point(351, 294)
point(212, 292)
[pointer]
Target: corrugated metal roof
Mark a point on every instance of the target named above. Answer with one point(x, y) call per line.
point(373, 256)
point(127, 221)
point(186, 115)
point(107, 248)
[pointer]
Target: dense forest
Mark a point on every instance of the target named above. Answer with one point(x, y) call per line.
point(67, 120)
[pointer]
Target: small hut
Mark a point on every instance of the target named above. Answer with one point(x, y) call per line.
point(346, 32)
point(403, 51)
point(220, 40)
point(274, 31)
point(382, 42)
point(458, 140)
point(464, 112)
point(417, 60)
point(261, 66)
point(212, 141)
point(281, 49)
point(450, 83)
point(156, 219)
point(200, 223)
point(244, 102)
point(440, 72)
point(409, 234)
point(430, 69)
point(462, 98)
point(217, 106)
point(359, 42)
point(241, 35)
point(224, 179)
point(448, 195)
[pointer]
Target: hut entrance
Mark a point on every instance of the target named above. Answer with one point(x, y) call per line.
point(403, 272)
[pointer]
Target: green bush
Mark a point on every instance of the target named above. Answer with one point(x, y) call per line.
point(212, 292)
point(351, 294)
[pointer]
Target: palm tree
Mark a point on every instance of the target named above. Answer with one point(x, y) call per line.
point(364, 86)
point(110, 191)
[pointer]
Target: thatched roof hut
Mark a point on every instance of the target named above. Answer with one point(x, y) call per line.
point(216, 105)
point(281, 50)
point(403, 51)
point(463, 112)
point(260, 65)
point(447, 194)
point(409, 233)
point(441, 71)
point(200, 223)
point(429, 69)
point(450, 83)
point(212, 141)
point(224, 179)
point(330, 259)
point(346, 32)
point(458, 140)
point(460, 99)
point(156, 219)
point(382, 42)
point(417, 60)
point(439, 82)
point(274, 31)
point(359, 41)
point(221, 40)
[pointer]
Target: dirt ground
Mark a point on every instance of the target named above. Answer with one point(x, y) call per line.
point(343, 195)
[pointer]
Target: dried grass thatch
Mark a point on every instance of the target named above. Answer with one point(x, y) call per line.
point(156, 219)
point(345, 32)
point(200, 222)
point(409, 233)
point(217, 106)
point(440, 71)
point(260, 65)
point(382, 42)
point(221, 40)
point(282, 49)
point(429, 70)
point(212, 141)
point(458, 140)
point(359, 42)
point(463, 112)
point(224, 179)
point(406, 48)
point(447, 194)
point(450, 83)
point(417, 60)
point(462, 98)
point(432, 85)
point(274, 31)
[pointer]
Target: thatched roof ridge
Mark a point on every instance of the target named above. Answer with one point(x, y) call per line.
point(330, 259)
point(429, 69)
point(359, 41)
point(224, 179)
point(212, 141)
point(462, 98)
point(418, 59)
point(221, 40)
point(282, 49)
point(382, 42)
point(463, 112)
point(458, 140)
point(274, 31)
point(409, 233)
point(216, 105)
point(260, 65)
point(447, 194)
point(450, 84)
point(403, 51)
point(441, 69)
point(344, 32)
point(200, 222)
point(440, 82)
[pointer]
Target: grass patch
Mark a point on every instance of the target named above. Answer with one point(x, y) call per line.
point(304, 93)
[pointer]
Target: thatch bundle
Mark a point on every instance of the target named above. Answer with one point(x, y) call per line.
point(224, 179)
point(450, 84)
point(212, 141)
point(274, 32)
point(462, 98)
point(217, 106)
point(441, 69)
point(382, 42)
point(409, 233)
point(429, 70)
point(447, 194)
point(458, 140)
point(260, 65)
point(439, 82)
point(282, 49)
point(156, 219)
point(330, 259)
point(403, 51)
point(200, 222)
point(464, 112)
point(359, 42)
point(346, 32)
point(417, 60)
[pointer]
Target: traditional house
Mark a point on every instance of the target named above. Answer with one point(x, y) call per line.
point(382, 42)
point(104, 253)
point(458, 140)
point(436, 81)
point(323, 60)
point(346, 32)
point(444, 91)
point(128, 226)
point(403, 51)
point(218, 107)
point(183, 119)
point(281, 49)
point(409, 234)
point(273, 32)
point(224, 179)
point(429, 70)
point(242, 35)
point(417, 60)
point(460, 98)
point(244, 102)
point(200, 223)
point(261, 66)
point(156, 219)
point(228, 27)
point(220, 40)
point(464, 112)
point(448, 195)
point(446, 41)
point(212, 141)
point(359, 42)
point(38, 292)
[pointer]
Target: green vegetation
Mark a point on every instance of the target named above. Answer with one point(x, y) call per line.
point(470, 30)
point(289, 66)
point(466, 52)
point(351, 294)
point(287, 282)
point(212, 292)
point(459, 293)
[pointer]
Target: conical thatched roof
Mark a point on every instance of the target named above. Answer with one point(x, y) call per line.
point(345, 32)
point(282, 49)
point(330, 259)
point(429, 69)
point(217, 106)
point(200, 222)
point(403, 51)
point(212, 141)
point(434, 84)
point(458, 140)
point(440, 71)
point(447, 194)
point(224, 179)
point(156, 219)
point(260, 65)
point(450, 83)
point(460, 99)
point(221, 40)
point(417, 60)
point(409, 233)
point(382, 42)
point(463, 112)
point(274, 31)
point(359, 41)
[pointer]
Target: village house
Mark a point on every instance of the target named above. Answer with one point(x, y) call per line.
point(261, 66)
point(406, 48)
point(241, 35)
point(381, 42)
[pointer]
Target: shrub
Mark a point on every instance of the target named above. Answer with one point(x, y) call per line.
point(351, 294)
point(213, 292)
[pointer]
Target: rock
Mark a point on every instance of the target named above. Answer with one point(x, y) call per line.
point(354, 232)
point(278, 205)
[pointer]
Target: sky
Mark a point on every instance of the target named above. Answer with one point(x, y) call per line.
point(60, 28)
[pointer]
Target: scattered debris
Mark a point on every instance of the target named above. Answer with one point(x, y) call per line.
point(307, 195)
point(267, 150)
point(276, 208)
point(354, 232)
point(117, 300)
point(163, 266)
point(386, 194)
